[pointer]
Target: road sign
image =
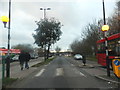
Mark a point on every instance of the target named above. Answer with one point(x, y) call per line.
point(116, 67)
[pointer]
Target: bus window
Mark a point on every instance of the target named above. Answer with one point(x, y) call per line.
point(101, 48)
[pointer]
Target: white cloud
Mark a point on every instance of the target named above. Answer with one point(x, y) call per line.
point(73, 14)
point(57, 0)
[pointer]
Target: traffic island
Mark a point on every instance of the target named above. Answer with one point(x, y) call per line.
point(86, 66)
point(43, 63)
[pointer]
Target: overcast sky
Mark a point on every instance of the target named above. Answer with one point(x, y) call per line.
point(73, 14)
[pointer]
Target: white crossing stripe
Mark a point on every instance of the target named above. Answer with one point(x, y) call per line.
point(45, 65)
point(72, 65)
point(59, 72)
point(78, 72)
point(82, 74)
point(40, 73)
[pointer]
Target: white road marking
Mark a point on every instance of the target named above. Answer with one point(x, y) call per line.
point(79, 65)
point(72, 65)
point(78, 72)
point(45, 65)
point(82, 74)
point(40, 73)
point(59, 72)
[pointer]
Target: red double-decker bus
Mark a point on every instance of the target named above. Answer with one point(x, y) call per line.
point(113, 49)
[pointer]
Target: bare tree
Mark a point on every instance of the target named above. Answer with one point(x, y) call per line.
point(90, 35)
point(25, 47)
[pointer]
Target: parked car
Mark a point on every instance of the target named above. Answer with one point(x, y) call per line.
point(33, 56)
point(78, 57)
point(36, 57)
point(15, 58)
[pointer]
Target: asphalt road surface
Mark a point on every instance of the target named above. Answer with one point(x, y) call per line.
point(60, 73)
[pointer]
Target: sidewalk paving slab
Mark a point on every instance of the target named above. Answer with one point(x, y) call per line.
point(112, 78)
point(102, 74)
point(16, 72)
point(23, 73)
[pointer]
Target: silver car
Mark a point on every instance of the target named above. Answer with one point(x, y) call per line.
point(78, 57)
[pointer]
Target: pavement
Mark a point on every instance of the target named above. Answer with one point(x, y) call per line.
point(97, 70)
point(15, 71)
point(100, 73)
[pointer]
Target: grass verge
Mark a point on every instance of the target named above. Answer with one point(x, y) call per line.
point(43, 63)
point(8, 81)
point(92, 58)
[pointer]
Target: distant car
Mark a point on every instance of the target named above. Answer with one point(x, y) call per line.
point(15, 58)
point(36, 57)
point(78, 57)
point(33, 56)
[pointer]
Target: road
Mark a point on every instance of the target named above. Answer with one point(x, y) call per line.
point(61, 73)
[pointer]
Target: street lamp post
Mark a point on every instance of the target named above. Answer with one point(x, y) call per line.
point(4, 19)
point(44, 14)
point(105, 28)
point(8, 61)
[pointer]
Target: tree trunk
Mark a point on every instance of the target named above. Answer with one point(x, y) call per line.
point(48, 50)
point(45, 53)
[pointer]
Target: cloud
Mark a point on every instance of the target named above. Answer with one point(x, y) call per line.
point(86, 1)
point(73, 14)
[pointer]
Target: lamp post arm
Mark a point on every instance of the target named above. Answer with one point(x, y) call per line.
point(44, 13)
